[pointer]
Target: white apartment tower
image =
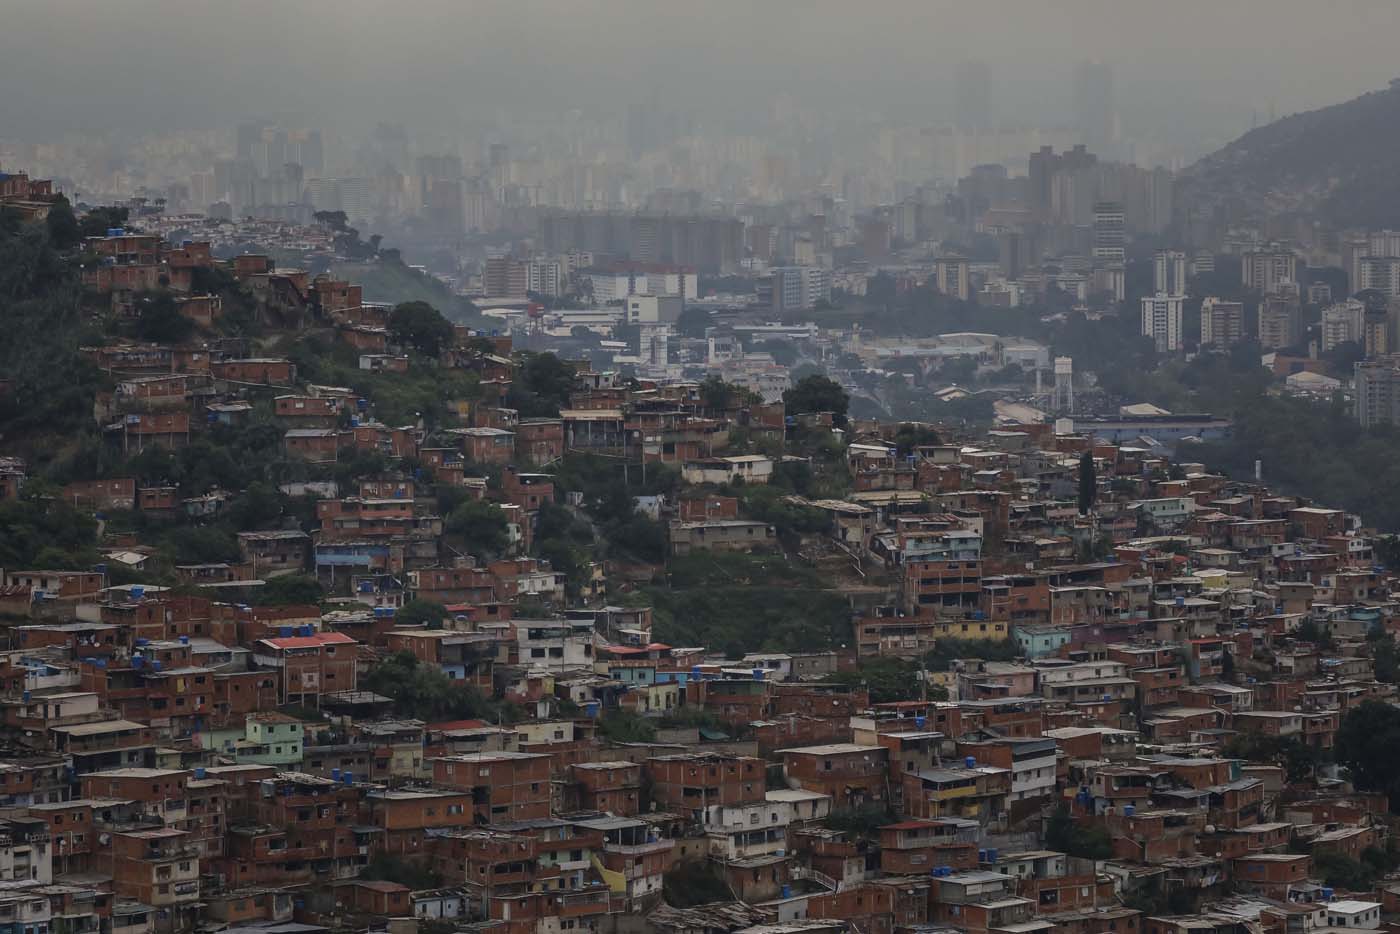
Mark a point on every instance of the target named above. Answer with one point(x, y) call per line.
point(1161, 321)
point(1169, 272)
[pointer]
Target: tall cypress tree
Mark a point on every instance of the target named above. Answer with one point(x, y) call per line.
point(1088, 483)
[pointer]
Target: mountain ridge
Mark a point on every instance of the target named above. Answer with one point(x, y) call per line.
point(1339, 163)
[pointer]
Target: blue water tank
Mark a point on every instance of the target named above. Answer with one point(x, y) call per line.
point(919, 722)
point(284, 631)
point(695, 672)
point(199, 773)
point(991, 855)
point(137, 591)
point(141, 642)
point(362, 404)
point(591, 708)
point(981, 856)
point(1326, 894)
point(184, 640)
point(970, 762)
point(787, 891)
point(155, 664)
point(137, 661)
point(335, 775)
point(1128, 810)
point(758, 674)
point(349, 777)
point(27, 695)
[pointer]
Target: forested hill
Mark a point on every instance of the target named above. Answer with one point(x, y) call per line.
point(1338, 162)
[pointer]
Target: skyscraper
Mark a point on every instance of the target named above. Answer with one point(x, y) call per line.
point(1169, 272)
point(1222, 322)
point(1110, 233)
point(1161, 321)
point(1093, 104)
point(972, 90)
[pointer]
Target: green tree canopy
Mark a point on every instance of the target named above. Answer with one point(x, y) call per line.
point(481, 527)
point(816, 393)
point(1368, 744)
point(420, 326)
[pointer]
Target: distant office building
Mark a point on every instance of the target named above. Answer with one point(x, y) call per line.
point(972, 90)
point(654, 309)
point(799, 287)
point(1160, 187)
point(1222, 322)
point(1110, 232)
point(1093, 104)
point(1012, 247)
point(1267, 270)
point(1161, 320)
point(710, 244)
point(1381, 273)
point(504, 277)
point(1342, 322)
point(1377, 384)
point(1169, 272)
point(951, 273)
point(1280, 319)
point(546, 277)
point(1319, 293)
point(1202, 262)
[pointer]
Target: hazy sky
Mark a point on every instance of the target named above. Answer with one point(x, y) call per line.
point(1190, 66)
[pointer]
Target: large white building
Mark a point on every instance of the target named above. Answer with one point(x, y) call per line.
point(1342, 322)
point(1169, 272)
point(1161, 320)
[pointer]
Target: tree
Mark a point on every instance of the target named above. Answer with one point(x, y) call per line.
point(421, 613)
point(420, 326)
point(335, 220)
point(816, 393)
point(64, 231)
point(480, 526)
point(159, 319)
point(97, 221)
point(888, 679)
point(290, 590)
point(693, 321)
point(1062, 833)
point(542, 386)
point(1368, 744)
point(1088, 483)
point(719, 395)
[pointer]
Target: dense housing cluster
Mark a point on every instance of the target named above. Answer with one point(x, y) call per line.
point(391, 619)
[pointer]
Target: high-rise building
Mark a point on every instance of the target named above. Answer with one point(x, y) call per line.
point(1012, 258)
point(1222, 322)
point(952, 278)
point(1377, 384)
point(1342, 323)
point(1093, 104)
point(1280, 317)
point(1267, 270)
point(1169, 272)
point(1110, 233)
point(505, 277)
point(799, 287)
point(1161, 320)
point(972, 89)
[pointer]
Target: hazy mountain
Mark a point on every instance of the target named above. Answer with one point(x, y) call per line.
point(1340, 163)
